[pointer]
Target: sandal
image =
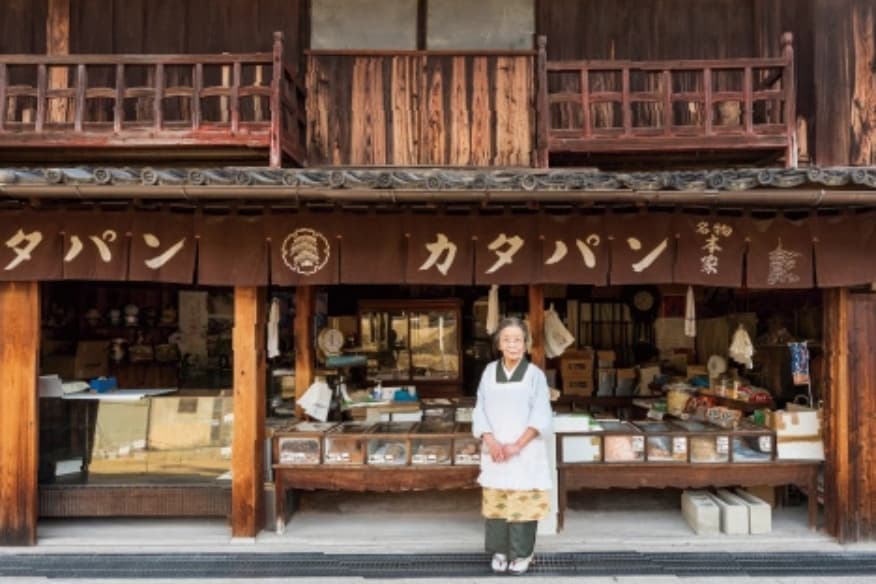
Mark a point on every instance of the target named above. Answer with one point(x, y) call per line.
point(519, 566)
point(499, 563)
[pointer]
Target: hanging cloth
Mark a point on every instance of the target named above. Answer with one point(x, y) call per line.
point(274, 329)
point(557, 337)
point(741, 349)
point(493, 309)
point(799, 363)
point(690, 314)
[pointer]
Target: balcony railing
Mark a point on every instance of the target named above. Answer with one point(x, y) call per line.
point(599, 107)
point(393, 108)
point(234, 106)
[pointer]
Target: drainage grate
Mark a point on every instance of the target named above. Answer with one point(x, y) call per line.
point(272, 565)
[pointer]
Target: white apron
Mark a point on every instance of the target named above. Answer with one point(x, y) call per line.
point(507, 406)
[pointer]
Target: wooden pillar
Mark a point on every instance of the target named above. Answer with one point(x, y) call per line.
point(850, 406)
point(836, 404)
point(536, 323)
point(19, 419)
point(247, 458)
point(58, 43)
point(850, 471)
point(303, 332)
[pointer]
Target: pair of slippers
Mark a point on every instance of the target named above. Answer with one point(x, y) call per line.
point(518, 566)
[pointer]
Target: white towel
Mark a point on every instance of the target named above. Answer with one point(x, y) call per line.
point(741, 349)
point(274, 329)
point(493, 309)
point(690, 314)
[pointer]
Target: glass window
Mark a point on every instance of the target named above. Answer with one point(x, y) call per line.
point(363, 24)
point(485, 24)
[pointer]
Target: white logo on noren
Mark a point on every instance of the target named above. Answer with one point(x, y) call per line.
point(305, 251)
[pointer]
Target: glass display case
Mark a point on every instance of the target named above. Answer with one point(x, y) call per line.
point(432, 442)
point(663, 443)
point(606, 441)
point(581, 448)
point(413, 342)
point(750, 443)
point(300, 443)
point(389, 443)
point(622, 442)
point(345, 444)
point(466, 448)
point(706, 443)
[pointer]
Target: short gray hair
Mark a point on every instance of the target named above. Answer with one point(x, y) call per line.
point(508, 322)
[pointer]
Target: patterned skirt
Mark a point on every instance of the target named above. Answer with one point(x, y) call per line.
point(515, 506)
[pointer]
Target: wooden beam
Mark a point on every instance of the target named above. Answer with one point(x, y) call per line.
point(247, 458)
point(19, 420)
point(536, 323)
point(58, 43)
point(834, 68)
point(836, 415)
point(304, 355)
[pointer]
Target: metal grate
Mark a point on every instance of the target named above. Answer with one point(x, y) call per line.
point(269, 565)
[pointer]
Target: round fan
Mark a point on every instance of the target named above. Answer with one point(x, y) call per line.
point(716, 365)
point(330, 340)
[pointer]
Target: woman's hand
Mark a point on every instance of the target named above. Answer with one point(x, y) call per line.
point(511, 450)
point(497, 451)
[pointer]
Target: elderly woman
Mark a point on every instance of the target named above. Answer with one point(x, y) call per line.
point(512, 417)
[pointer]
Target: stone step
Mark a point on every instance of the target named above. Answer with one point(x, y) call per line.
point(700, 512)
point(759, 511)
point(734, 513)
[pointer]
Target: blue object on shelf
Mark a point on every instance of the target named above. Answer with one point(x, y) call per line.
point(339, 361)
point(403, 395)
point(103, 384)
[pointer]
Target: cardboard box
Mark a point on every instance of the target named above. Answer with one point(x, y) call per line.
point(765, 493)
point(626, 382)
point(798, 433)
point(576, 365)
point(607, 380)
point(90, 360)
point(694, 370)
point(646, 377)
point(583, 387)
point(606, 359)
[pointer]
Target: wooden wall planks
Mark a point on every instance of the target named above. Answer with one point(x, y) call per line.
point(417, 109)
point(19, 423)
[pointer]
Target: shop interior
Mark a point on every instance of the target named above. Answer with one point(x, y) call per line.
point(401, 365)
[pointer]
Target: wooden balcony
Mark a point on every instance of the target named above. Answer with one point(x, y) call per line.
point(735, 107)
point(394, 108)
point(411, 108)
point(230, 107)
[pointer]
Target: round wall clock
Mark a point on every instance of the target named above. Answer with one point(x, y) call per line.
point(644, 302)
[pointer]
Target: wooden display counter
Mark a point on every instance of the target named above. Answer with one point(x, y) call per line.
point(367, 478)
point(803, 474)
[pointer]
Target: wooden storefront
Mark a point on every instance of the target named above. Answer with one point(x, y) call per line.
point(196, 88)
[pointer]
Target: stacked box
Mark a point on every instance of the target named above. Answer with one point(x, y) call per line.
point(798, 433)
point(606, 374)
point(576, 369)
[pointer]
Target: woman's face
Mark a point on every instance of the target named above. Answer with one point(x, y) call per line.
point(512, 343)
